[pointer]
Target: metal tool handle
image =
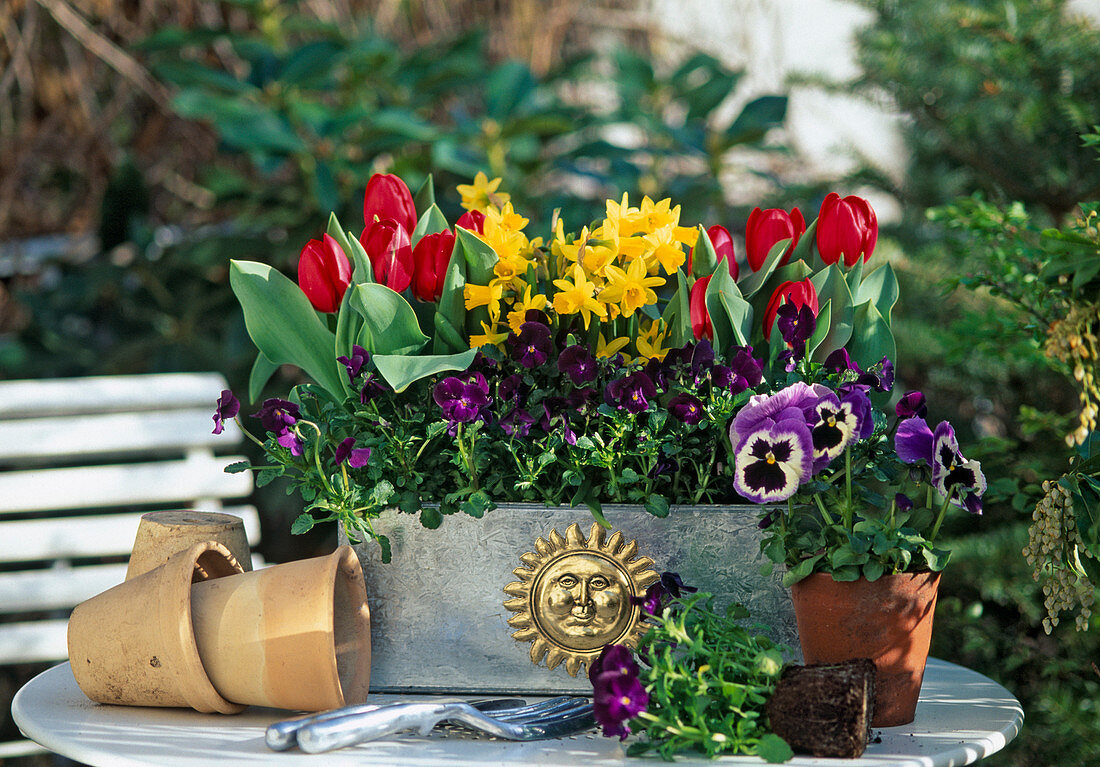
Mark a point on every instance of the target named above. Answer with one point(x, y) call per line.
point(335, 733)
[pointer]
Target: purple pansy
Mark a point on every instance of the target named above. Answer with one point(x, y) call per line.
point(840, 361)
point(880, 376)
point(790, 402)
point(834, 425)
point(354, 364)
point(512, 389)
point(517, 423)
point(631, 393)
point(675, 585)
point(654, 599)
point(373, 387)
point(903, 502)
point(616, 699)
point(531, 346)
point(857, 396)
point(462, 399)
point(227, 409)
point(796, 325)
point(951, 472)
point(913, 441)
point(613, 658)
point(686, 408)
point(356, 457)
point(911, 405)
point(288, 439)
point(577, 363)
point(772, 461)
point(277, 415)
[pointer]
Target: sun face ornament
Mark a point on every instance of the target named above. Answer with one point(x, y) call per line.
point(575, 595)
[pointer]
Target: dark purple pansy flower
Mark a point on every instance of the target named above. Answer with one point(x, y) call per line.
point(613, 658)
point(373, 387)
point(226, 410)
point(675, 585)
point(772, 461)
point(616, 699)
point(577, 363)
point(913, 441)
point(659, 371)
point(951, 472)
point(531, 346)
point(833, 424)
point(354, 363)
point(462, 400)
point(857, 397)
point(512, 389)
point(973, 503)
point(796, 325)
point(748, 367)
point(765, 409)
point(911, 405)
point(880, 376)
point(356, 457)
point(277, 415)
point(554, 416)
point(654, 599)
point(517, 423)
point(631, 393)
point(840, 361)
point(686, 408)
point(702, 357)
point(903, 502)
point(288, 439)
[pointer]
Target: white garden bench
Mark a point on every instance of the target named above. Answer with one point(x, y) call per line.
point(81, 460)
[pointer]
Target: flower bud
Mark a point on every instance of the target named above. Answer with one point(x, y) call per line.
point(387, 196)
point(767, 227)
point(324, 273)
point(391, 257)
point(846, 228)
point(430, 258)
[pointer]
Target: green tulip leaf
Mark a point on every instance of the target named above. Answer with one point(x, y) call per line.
point(479, 259)
point(755, 280)
point(400, 370)
point(804, 250)
point(284, 325)
point(871, 336)
point(361, 272)
point(425, 196)
point(730, 314)
point(680, 327)
point(349, 326)
point(821, 332)
point(704, 257)
point(336, 232)
point(831, 287)
point(451, 308)
point(432, 221)
point(880, 287)
point(855, 276)
point(389, 323)
point(262, 370)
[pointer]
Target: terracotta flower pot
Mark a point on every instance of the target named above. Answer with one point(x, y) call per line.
point(888, 620)
point(294, 636)
point(161, 534)
point(134, 644)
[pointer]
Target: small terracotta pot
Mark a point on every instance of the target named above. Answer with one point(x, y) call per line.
point(134, 644)
point(161, 534)
point(294, 636)
point(888, 620)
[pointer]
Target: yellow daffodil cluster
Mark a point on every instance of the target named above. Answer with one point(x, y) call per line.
point(609, 273)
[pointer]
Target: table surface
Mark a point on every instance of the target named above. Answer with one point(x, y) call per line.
point(962, 717)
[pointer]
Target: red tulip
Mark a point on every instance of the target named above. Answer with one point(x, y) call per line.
point(801, 293)
point(324, 273)
point(846, 227)
point(723, 247)
point(430, 258)
point(697, 304)
point(387, 196)
point(391, 258)
point(472, 221)
point(767, 227)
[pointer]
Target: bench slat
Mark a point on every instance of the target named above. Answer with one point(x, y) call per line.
point(37, 642)
point(68, 437)
point(91, 487)
point(104, 394)
point(57, 588)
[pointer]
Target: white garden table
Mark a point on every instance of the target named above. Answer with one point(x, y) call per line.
point(961, 718)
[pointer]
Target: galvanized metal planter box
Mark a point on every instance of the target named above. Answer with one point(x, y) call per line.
point(438, 616)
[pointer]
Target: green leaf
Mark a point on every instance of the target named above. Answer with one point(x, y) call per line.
point(431, 222)
point(657, 505)
point(387, 552)
point(450, 312)
point(831, 287)
point(303, 524)
point(873, 570)
point(507, 89)
point(679, 318)
point(773, 749)
point(880, 287)
point(821, 332)
point(262, 370)
point(755, 280)
point(389, 323)
point(237, 467)
point(704, 258)
point(283, 324)
point(310, 62)
point(730, 314)
point(872, 338)
point(757, 117)
point(362, 271)
point(402, 370)
point(336, 232)
point(430, 517)
point(425, 196)
point(479, 260)
point(801, 570)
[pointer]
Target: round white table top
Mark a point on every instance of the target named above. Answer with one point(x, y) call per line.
point(962, 717)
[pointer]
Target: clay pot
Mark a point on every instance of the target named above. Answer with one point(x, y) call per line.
point(294, 636)
point(161, 534)
point(134, 644)
point(888, 620)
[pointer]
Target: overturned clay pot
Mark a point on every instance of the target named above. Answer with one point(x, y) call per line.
point(161, 534)
point(134, 644)
point(293, 636)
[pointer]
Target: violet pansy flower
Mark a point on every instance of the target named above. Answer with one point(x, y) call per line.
point(912, 404)
point(462, 400)
point(356, 457)
point(787, 403)
point(616, 699)
point(277, 415)
point(227, 408)
point(631, 393)
point(773, 460)
point(354, 364)
point(686, 408)
point(951, 472)
point(613, 658)
point(835, 425)
point(577, 363)
point(517, 423)
point(531, 346)
point(796, 325)
point(913, 441)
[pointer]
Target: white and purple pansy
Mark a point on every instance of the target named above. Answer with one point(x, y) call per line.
point(834, 424)
point(951, 472)
point(771, 461)
point(792, 402)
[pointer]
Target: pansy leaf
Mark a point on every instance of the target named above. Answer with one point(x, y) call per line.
point(754, 280)
point(425, 196)
point(657, 505)
point(704, 258)
point(872, 338)
point(400, 370)
point(880, 287)
point(283, 325)
point(389, 323)
point(262, 370)
point(873, 570)
point(432, 221)
point(802, 570)
point(773, 749)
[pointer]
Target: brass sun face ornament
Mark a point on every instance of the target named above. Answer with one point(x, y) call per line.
point(574, 596)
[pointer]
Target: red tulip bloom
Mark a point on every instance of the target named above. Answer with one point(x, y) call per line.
point(723, 247)
point(846, 227)
point(472, 221)
point(430, 258)
point(387, 196)
point(767, 227)
point(697, 304)
point(391, 258)
point(324, 273)
point(801, 293)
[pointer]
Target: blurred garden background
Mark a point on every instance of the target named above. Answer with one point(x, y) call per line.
point(144, 143)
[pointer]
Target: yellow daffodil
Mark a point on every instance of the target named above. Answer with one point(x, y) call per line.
point(482, 193)
point(630, 289)
point(490, 336)
point(576, 295)
point(518, 315)
point(485, 295)
point(651, 340)
point(610, 349)
point(665, 250)
point(659, 215)
point(504, 217)
point(621, 219)
point(510, 268)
